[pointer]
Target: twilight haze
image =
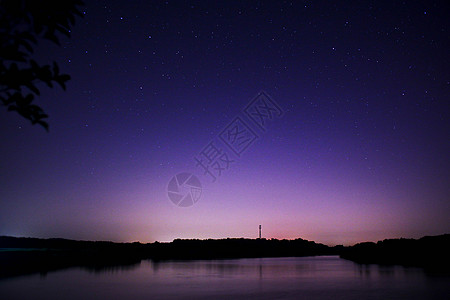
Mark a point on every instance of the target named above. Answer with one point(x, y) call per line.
point(359, 153)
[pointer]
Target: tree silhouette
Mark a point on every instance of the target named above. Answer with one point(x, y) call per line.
point(22, 24)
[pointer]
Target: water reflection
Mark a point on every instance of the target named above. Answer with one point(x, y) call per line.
point(324, 268)
point(387, 272)
point(112, 269)
point(260, 278)
point(258, 267)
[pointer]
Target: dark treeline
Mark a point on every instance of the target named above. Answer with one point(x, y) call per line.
point(30, 255)
point(430, 252)
point(19, 256)
point(240, 248)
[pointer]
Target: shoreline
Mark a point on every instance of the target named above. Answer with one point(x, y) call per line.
point(26, 256)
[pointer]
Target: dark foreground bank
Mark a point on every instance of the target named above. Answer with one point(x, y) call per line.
point(20, 256)
point(430, 252)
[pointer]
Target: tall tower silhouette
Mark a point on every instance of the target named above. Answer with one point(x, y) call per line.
point(260, 231)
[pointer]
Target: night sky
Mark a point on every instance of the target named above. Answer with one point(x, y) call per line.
point(357, 152)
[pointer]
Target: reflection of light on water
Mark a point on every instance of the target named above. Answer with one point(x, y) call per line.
point(386, 271)
point(321, 277)
point(113, 268)
point(322, 266)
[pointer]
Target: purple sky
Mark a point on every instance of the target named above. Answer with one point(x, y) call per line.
point(360, 152)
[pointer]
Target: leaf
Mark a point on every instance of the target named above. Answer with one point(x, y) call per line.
point(26, 45)
point(63, 30)
point(29, 98)
point(61, 79)
point(71, 19)
point(43, 124)
point(45, 74)
point(64, 77)
point(62, 84)
point(55, 68)
point(29, 36)
point(49, 35)
point(34, 65)
point(33, 88)
point(35, 108)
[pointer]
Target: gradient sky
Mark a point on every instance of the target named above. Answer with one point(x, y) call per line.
point(360, 153)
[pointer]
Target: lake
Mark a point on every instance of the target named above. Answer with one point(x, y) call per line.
point(321, 277)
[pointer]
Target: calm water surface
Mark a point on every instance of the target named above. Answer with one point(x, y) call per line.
point(323, 277)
